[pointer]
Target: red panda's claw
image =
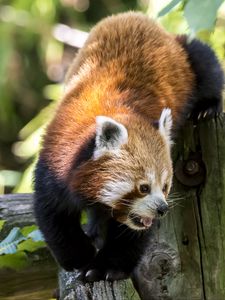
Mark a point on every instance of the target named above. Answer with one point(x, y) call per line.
point(113, 275)
point(93, 275)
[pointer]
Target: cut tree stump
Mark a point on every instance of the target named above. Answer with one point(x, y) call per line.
point(185, 259)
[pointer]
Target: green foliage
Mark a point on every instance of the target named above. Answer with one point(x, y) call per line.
point(19, 241)
point(201, 14)
point(32, 66)
point(168, 7)
point(16, 261)
point(30, 245)
point(2, 222)
point(9, 244)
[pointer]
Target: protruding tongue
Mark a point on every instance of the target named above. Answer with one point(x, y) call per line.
point(146, 221)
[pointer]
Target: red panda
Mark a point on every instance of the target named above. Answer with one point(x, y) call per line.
point(107, 149)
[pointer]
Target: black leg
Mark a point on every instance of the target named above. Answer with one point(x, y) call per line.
point(206, 99)
point(65, 238)
point(58, 216)
point(119, 256)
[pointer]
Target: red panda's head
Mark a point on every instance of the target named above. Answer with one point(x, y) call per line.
point(130, 170)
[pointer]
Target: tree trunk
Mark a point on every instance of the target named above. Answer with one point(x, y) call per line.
point(186, 257)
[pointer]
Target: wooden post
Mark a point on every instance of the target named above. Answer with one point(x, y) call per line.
point(186, 255)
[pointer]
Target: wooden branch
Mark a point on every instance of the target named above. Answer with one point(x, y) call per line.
point(72, 289)
point(16, 210)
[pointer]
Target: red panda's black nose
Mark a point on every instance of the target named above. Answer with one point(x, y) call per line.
point(162, 209)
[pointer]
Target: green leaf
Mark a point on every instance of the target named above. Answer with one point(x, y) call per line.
point(36, 235)
point(84, 218)
point(28, 229)
point(175, 22)
point(8, 245)
point(2, 222)
point(168, 7)
point(201, 14)
point(14, 261)
point(30, 245)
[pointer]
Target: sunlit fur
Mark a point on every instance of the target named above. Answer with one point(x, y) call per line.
point(146, 153)
point(133, 74)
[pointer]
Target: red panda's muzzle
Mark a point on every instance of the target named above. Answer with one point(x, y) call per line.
point(141, 221)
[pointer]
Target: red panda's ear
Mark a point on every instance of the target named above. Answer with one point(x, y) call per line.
point(165, 124)
point(110, 136)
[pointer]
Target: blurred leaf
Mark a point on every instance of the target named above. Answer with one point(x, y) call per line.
point(30, 146)
point(175, 22)
point(28, 229)
point(84, 218)
point(14, 261)
point(26, 183)
point(201, 14)
point(40, 119)
point(30, 245)
point(9, 244)
point(168, 7)
point(53, 91)
point(11, 178)
point(217, 41)
point(2, 222)
point(36, 235)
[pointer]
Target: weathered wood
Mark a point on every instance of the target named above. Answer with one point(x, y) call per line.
point(16, 210)
point(186, 257)
point(72, 289)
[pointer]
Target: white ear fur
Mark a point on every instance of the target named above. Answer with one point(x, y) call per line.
point(165, 124)
point(110, 136)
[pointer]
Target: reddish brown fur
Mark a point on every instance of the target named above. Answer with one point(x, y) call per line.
point(135, 69)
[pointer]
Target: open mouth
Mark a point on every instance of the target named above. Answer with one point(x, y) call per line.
point(144, 222)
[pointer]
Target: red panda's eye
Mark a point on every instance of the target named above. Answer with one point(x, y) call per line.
point(165, 188)
point(145, 189)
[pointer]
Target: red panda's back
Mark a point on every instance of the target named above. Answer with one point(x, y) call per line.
point(132, 53)
point(129, 65)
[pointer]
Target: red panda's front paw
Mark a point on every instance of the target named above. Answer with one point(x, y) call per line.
point(92, 275)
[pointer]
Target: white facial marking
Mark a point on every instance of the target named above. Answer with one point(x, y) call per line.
point(147, 206)
point(151, 177)
point(115, 190)
point(165, 124)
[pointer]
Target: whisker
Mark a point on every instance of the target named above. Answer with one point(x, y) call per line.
point(174, 205)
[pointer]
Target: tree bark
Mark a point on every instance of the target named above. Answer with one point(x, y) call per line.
point(16, 210)
point(73, 289)
point(186, 256)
